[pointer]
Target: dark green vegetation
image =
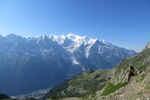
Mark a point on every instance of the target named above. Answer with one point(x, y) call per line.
point(138, 61)
point(130, 73)
point(82, 85)
point(4, 96)
point(110, 88)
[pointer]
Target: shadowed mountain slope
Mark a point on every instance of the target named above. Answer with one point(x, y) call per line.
point(129, 80)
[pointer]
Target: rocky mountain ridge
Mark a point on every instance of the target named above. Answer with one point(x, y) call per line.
point(35, 63)
point(83, 49)
point(129, 80)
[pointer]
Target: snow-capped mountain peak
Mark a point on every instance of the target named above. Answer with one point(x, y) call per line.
point(52, 59)
point(73, 37)
point(60, 39)
point(72, 42)
point(75, 43)
point(77, 38)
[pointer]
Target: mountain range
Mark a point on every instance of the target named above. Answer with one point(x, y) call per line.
point(128, 80)
point(35, 63)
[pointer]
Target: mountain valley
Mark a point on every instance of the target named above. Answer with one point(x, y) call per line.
point(36, 63)
point(129, 80)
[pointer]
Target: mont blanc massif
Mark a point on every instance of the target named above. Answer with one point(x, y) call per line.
point(37, 63)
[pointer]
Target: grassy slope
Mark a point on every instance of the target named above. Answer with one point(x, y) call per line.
point(82, 85)
point(85, 85)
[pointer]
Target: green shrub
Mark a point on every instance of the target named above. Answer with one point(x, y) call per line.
point(110, 88)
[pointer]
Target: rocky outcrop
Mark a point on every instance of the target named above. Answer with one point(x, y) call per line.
point(129, 81)
point(148, 45)
point(123, 75)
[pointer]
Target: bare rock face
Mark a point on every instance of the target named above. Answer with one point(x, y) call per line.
point(148, 45)
point(123, 76)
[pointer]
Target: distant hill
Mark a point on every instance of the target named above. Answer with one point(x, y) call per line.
point(30, 64)
point(4, 96)
point(129, 80)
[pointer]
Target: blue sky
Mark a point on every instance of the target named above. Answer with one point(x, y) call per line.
point(124, 23)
